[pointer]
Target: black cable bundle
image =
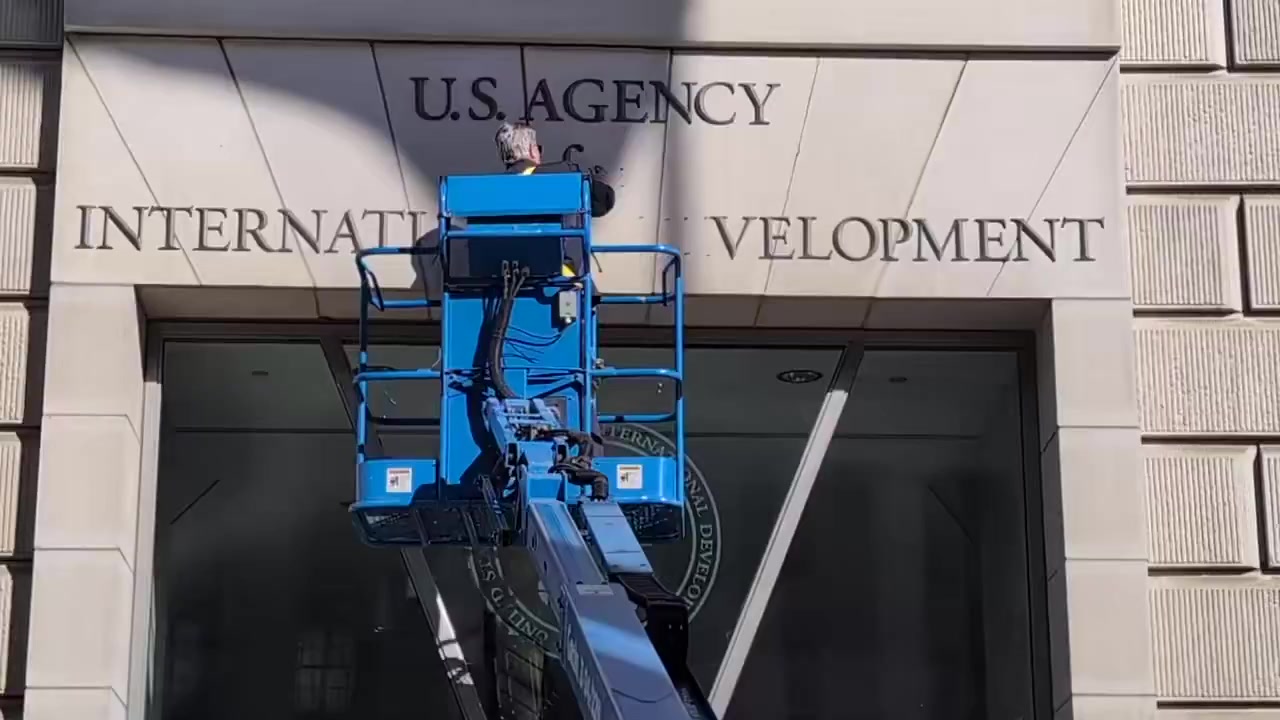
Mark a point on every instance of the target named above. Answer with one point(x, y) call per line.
point(578, 468)
point(498, 338)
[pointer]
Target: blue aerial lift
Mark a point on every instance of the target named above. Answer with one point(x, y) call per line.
point(520, 453)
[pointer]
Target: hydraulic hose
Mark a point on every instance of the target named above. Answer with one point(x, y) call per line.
point(498, 337)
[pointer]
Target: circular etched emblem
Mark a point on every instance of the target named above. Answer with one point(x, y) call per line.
point(687, 567)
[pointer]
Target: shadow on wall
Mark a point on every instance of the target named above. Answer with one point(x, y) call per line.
point(754, 166)
point(351, 137)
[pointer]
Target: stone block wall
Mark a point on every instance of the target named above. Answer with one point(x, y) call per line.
point(30, 64)
point(1202, 144)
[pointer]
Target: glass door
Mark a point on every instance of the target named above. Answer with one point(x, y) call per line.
point(896, 582)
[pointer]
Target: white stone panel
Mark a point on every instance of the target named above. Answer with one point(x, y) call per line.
point(1219, 714)
point(304, 126)
point(1093, 494)
point(1100, 628)
point(1185, 252)
point(1256, 25)
point(727, 210)
point(815, 312)
point(27, 93)
point(988, 162)
point(1262, 243)
point(94, 353)
point(1086, 373)
point(623, 314)
point(1208, 377)
point(80, 620)
point(70, 704)
point(220, 303)
point(19, 232)
point(1108, 707)
point(1174, 33)
point(1271, 502)
point(1215, 638)
point(1201, 129)
point(661, 23)
point(182, 117)
point(855, 163)
point(31, 23)
point(1079, 214)
point(710, 311)
point(626, 141)
point(1200, 501)
point(96, 168)
point(88, 491)
point(318, 111)
point(967, 314)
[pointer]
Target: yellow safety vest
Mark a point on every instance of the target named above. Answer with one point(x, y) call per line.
point(566, 270)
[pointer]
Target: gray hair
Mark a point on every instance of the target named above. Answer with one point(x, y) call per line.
point(516, 142)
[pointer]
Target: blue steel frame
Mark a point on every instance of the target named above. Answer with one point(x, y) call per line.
point(372, 296)
point(596, 576)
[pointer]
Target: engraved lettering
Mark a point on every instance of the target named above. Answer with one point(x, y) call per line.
point(773, 233)
point(243, 230)
point(346, 231)
point(1083, 224)
point(420, 99)
point(382, 222)
point(86, 213)
point(700, 104)
point(956, 232)
point(904, 235)
point(308, 235)
point(131, 234)
point(543, 98)
point(1048, 249)
point(170, 225)
point(985, 239)
point(479, 92)
point(598, 110)
point(627, 100)
point(806, 240)
point(837, 239)
point(663, 98)
point(757, 103)
point(730, 244)
point(204, 228)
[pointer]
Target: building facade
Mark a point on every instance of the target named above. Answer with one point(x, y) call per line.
point(1028, 252)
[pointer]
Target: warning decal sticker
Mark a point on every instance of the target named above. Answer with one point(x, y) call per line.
point(399, 480)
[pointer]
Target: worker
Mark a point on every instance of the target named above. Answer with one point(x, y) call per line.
point(518, 147)
point(521, 153)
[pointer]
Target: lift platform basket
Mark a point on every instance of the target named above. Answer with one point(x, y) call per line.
point(490, 225)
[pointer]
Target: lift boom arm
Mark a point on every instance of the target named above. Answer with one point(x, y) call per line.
point(519, 439)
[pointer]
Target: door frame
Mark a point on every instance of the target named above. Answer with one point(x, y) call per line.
point(146, 680)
